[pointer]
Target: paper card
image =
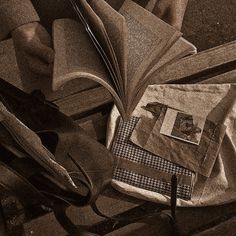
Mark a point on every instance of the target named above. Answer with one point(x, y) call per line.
point(183, 126)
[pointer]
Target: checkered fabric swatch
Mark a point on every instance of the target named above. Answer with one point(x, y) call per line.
point(124, 148)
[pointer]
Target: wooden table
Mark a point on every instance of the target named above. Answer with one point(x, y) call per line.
point(89, 104)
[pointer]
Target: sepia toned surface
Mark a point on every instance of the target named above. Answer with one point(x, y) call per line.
point(189, 219)
point(204, 22)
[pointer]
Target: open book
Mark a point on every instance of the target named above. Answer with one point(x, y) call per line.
point(121, 50)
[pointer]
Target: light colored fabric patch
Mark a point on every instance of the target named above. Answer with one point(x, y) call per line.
point(198, 158)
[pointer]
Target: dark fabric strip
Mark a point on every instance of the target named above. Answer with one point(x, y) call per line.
point(152, 173)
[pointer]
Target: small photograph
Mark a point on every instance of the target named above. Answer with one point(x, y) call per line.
point(183, 126)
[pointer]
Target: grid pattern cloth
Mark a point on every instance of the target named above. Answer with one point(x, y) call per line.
point(124, 148)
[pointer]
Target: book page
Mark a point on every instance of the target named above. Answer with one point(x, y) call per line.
point(115, 4)
point(148, 39)
point(97, 28)
point(77, 57)
point(179, 49)
point(117, 32)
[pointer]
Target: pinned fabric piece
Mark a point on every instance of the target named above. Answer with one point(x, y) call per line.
point(142, 169)
point(199, 158)
point(214, 102)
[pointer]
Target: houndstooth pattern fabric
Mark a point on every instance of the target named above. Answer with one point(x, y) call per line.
point(124, 148)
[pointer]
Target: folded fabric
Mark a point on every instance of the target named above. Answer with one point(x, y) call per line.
point(31, 143)
point(142, 169)
point(198, 158)
point(217, 103)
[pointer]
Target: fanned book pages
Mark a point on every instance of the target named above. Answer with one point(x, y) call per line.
point(122, 50)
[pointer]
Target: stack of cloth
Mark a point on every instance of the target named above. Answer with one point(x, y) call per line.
point(183, 130)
